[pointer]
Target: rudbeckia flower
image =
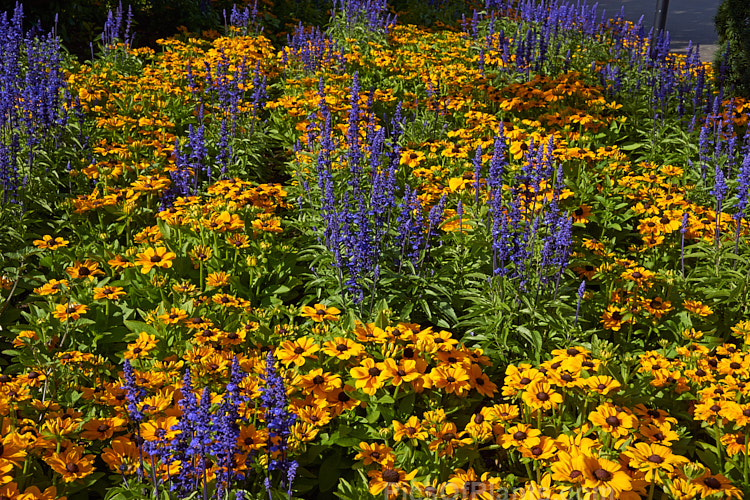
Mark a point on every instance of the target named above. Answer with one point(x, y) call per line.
point(342, 348)
point(52, 287)
point(606, 477)
point(613, 421)
point(392, 480)
point(86, 269)
point(50, 243)
point(320, 313)
point(369, 376)
point(411, 429)
point(539, 395)
point(697, 307)
point(108, 292)
point(709, 484)
point(154, 257)
point(651, 459)
point(297, 351)
point(520, 436)
point(71, 464)
point(374, 453)
point(69, 310)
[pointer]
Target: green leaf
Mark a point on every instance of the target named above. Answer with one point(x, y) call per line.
point(329, 472)
point(140, 326)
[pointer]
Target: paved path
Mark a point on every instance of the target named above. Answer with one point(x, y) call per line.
point(686, 20)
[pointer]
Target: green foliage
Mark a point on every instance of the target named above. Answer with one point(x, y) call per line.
point(733, 27)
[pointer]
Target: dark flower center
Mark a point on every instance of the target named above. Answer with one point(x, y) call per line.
point(602, 475)
point(298, 350)
point(542, 396)
point(391, 476)
point(656, 459)
point(102, 428)
point(317, 380)
point(519, 436)
point(155, 259)
point(712, 483)
point(374, 372)
point(613, 421)
point(72, 468)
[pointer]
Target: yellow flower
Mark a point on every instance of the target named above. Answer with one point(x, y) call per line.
point(69, 310)
point(320, 313)
point(297, 351)
point(154, 257)
point(86, 269)
point(606, 476)
point(50, 243)
point(374, 453)
point(539, 395)
point(697, 307)
point(52, 287)
point(108, 292)
point(71, 464)
point(218, 279)
point(369, 376)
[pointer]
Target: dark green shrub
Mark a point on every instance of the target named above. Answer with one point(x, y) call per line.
point(733, 27)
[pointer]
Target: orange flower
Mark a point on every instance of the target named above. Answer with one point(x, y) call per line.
point(539, 395)
point(52, 287)
point(697, 307)
point(267, 225)
point(86, 269)
point(320, 313)
point(13, 449)
point(173, 317)
point(369, 376)
point(297, 351)
point(342, 348)
point(51, 243)
point(154, 257)
point(453, 379)
point(374, 453)
point(108, 292)
point(71, 464)
point(102, 428)
point(69, 310)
